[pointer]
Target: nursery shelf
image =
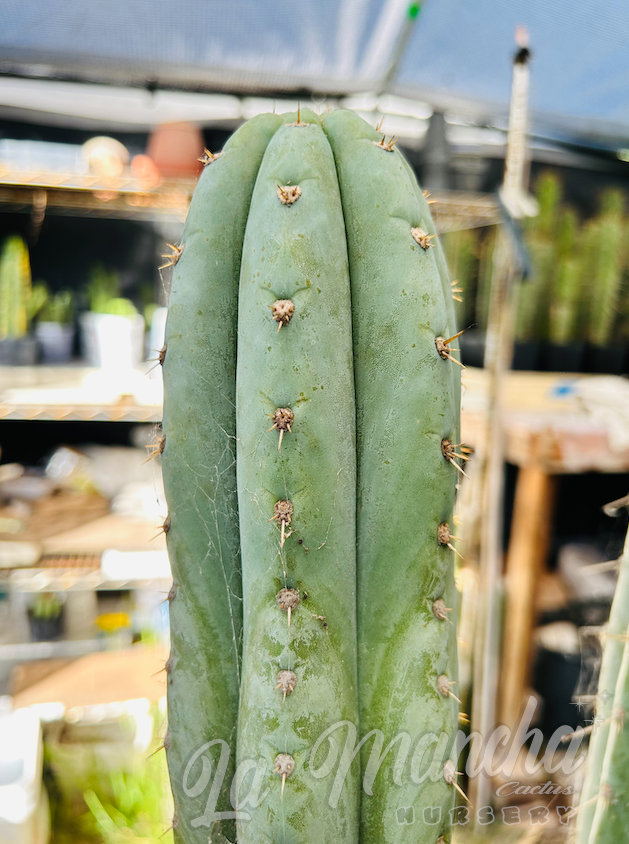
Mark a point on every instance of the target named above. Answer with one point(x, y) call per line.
point(127, 198)
point(76, 194)
point(547, 421)
point(453, 211)
point(558, 423)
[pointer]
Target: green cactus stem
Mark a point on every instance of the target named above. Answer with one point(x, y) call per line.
point(405, 397)
point(483, 283)
point(15, 288)
point(297, 504)
point(605, 284)
point(199, 454)
point(566, 292)
point(611, 815)
point(614, 648)
point(461, 251)
point(310, 462)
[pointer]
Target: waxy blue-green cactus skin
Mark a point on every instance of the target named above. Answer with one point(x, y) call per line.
point(602, 760)
point(406, 408)
point(297, 252)
point(345, 499)
point(199, 466)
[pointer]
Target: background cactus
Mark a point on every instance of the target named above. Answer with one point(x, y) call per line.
point(609, 254)
point(579, 288)
point(17, 304)
point(604, 811)
point(310, 485)
point(566, 295)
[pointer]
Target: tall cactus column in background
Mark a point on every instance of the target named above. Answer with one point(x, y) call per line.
point(324, 455)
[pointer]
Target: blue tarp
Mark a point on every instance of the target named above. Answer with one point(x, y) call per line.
point(458, 55)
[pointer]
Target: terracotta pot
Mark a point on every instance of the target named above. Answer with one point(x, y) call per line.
point(175, 149)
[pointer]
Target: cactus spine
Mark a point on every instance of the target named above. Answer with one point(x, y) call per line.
point(343, 410)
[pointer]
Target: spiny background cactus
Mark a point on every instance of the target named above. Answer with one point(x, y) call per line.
point(310, 462)
point(565, 299)
point(541, 236)
point(606, 281)
point(599, 771)
point(579, 288)
point(15, 289)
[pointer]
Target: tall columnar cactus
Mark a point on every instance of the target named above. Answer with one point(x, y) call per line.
point(310, 462)
point(15, 288)
point(565, 299)
point(609, 254)
point(600, 774)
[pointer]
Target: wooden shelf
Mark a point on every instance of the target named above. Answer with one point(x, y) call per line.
point(546, 424)
point(79, 393)
point(127, 198)
point(88, 195)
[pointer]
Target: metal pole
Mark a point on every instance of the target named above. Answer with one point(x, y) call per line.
point(498, 355)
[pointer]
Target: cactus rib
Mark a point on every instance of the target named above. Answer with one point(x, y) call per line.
point(405, 400)
point(200, 477)
point(298, 251)
point(610, 668)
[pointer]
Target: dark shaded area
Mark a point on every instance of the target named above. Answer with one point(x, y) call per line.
point(31, 443)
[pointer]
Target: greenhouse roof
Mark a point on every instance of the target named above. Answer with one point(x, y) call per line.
point(457, 55)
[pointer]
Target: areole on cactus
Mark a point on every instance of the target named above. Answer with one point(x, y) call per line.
point(311, 422)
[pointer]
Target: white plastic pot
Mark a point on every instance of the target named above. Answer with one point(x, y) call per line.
point(24, 817)
point(112, 342)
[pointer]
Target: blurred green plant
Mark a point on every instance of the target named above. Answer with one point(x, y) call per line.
point(57, 307)
point(134, 808)
point(103, 293)
point(46, 605)
point(579, 287)
point(19, 300)
point(103, 286)
point(101, 794)
point(609, 256)
point(119, 307)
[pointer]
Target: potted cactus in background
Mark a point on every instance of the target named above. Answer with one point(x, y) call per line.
point(564, 349)
point(113, 330)
point(54, 328)
point(19, 303)
point(533, 295)
point(45, 617)
point(606, 254)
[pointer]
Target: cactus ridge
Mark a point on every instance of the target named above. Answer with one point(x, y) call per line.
point(613, 663)
point(311, 458)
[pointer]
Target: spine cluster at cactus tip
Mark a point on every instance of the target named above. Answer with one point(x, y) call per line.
point(310, 451)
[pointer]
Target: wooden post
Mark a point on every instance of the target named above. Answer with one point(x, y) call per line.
point(528, 546)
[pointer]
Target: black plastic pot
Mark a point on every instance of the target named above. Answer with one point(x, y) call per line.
point(56, 341)
point(555, 677)
point(22, 351)
point(606, 360)
point(565, 358)
point(45, 629)
point(526, 356)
